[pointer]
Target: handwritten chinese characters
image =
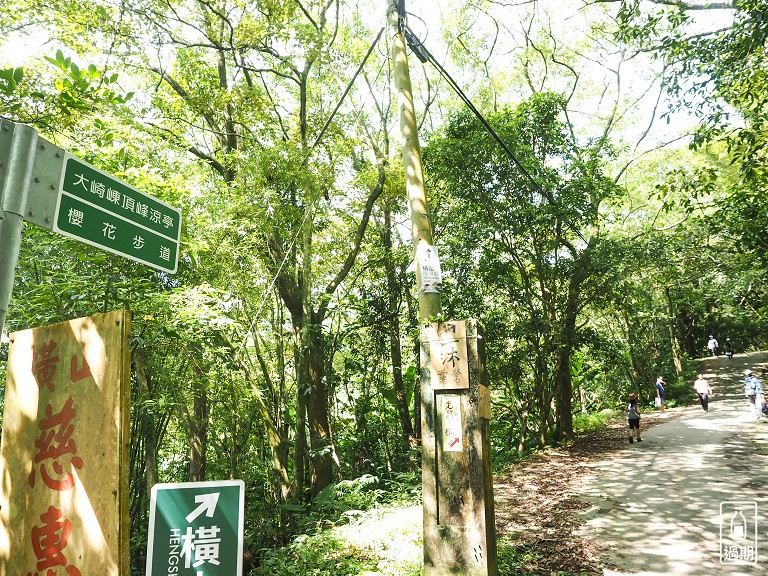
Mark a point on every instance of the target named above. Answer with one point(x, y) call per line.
point(64, 452)
point(49, 541)
point(453, 429)
point(448, 366)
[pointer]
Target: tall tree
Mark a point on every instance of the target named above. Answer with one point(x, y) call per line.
point(246, 95)
point(546, 231)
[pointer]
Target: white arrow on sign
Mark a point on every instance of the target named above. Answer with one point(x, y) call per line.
point(207, 504)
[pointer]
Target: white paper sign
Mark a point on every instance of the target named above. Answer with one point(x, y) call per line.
point(453, 431)
point(429, 267)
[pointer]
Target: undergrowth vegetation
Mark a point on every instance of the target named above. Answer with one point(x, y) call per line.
point(364, 526)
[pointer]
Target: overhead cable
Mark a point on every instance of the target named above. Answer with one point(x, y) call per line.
point(424, 55)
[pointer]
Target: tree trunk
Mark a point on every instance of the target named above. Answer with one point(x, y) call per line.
point(634, 363)
point(563, 377)
point(150, 439)
point(544, 401)
point(674, 342)
point(302, 385)
point(393, 288)
point(321, 456)
point(199, 431)
point(564, 393)
point(523, 431)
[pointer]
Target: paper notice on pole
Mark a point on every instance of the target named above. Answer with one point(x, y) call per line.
point(429, 268)
point(452, 426)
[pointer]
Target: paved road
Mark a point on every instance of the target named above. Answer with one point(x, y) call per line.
point(656, 505)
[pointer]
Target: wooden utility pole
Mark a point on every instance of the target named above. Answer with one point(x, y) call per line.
point(457, 485)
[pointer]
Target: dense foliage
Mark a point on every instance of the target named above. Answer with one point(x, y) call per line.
point(285, 350)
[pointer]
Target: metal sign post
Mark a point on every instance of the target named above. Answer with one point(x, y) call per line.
point(42, 184)
point(17, 152)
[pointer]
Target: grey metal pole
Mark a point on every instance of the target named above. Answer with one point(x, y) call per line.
point(15, 175)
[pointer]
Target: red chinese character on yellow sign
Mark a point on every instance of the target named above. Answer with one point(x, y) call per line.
point(55, 442)
point(76, 374)
point(44, 364)
point(48, 543)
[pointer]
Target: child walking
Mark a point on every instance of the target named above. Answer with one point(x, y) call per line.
point(633, 417)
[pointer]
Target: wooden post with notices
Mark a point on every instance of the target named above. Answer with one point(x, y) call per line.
point(457, 484)
point(460, 527)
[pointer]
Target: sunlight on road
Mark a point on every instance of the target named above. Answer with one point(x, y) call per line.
point(656, 506)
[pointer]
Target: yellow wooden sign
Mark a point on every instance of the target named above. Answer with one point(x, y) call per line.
point(484, 401)
point(64, 455)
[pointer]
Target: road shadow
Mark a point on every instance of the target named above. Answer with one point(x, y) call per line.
point(655, 507)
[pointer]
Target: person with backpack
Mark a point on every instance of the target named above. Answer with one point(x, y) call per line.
point(633, 417)
point(754, 392)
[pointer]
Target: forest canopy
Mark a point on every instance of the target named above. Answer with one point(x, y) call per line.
point(596, 178)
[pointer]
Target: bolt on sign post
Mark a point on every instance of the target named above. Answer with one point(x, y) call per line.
point(44, 185)
point(196, 529)
point(457, 486)
point(64, 458)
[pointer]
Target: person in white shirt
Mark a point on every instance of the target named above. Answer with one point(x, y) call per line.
point(704, 391)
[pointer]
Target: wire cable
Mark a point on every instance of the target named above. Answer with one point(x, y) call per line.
point(425, 55)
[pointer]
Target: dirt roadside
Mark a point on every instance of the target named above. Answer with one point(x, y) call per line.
point(537, 501)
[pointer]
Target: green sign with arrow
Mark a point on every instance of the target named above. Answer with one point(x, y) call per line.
point(196, 529)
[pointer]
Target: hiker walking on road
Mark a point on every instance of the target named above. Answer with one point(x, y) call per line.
point(754, 391)
point(704, 390)
point(728, 349)
point(712, 345)
point(633, 417)
point(660, 401)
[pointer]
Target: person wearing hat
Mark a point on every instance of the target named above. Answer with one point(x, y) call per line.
point(754, 391)
point(712, 345)
point(633, 417)
point(729, 348)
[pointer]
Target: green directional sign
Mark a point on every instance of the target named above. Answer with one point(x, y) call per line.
point(101, 210)
point(196, 529)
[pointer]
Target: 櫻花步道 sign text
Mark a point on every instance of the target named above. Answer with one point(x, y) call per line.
point(101, 210)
